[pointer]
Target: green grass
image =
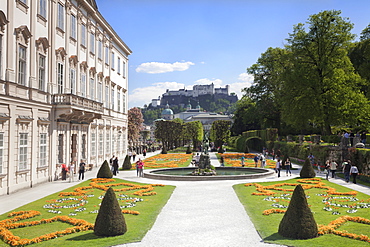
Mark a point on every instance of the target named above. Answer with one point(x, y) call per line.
point(267, 226)
point(137, 225)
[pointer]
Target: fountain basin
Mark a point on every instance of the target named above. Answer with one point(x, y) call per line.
point(223, 173)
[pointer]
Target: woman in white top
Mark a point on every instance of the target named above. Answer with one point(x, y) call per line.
point(354, 172)
point(333, 168)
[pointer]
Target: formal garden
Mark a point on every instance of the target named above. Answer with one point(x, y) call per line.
point(67, 218)
point(342, 215)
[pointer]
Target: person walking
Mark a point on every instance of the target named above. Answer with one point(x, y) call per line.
point(133, 156)
point(354, 172)
point(115, 166)
point(222, 161)
point(346, 170)
point(81, 170)
point(64, 172)
point(333, 168)
point(71, 169)
point(263, 160)
point(278, 167)
point(256, 159)
point(288, 166)
point(129, 155)
point(144, 153)
point(242, 160)
point(327, 169)
point(140, 168)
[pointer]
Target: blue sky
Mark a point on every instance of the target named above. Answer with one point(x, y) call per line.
point(178, 44)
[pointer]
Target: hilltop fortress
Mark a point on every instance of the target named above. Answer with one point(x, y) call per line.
point(181, 97)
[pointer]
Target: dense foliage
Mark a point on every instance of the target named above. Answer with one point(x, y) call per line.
point(220, 132)
point(318, 80)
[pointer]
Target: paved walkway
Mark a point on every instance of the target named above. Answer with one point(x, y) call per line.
point(199, 213)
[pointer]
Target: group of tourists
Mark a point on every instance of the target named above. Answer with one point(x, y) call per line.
point(70, 171)
point(348, 170)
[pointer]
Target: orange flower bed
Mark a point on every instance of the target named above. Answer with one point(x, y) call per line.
point(234, 159)
point(166, 160)
point(308, 183)
point(8, 237)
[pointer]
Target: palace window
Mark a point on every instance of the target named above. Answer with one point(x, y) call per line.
point(119, 65)
point(100, 91)
point(118, 101)
point(100, 144)
point(83, 85)
point(93, 144)
point(60, 77)
point(72, 77)
point(83, 35)
point(42, 8)
point(112, 99)
point(42, 72)
point(43, 149)
point(112, 64)
point(73, 27)
point(23, 149)
point(107, 55)
point(92, 43)
point(83, 146)
point(92, 88)
point(107, 146)
point(124, 69)
point(60, 16)
point(106, 100)
point(60, 148)
point(100, 50)
point(22, 65)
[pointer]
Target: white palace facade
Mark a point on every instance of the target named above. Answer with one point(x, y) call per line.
point(63, 89)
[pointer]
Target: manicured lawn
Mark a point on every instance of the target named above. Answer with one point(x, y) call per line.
point(267, 225)
point(149, 202)
point(166, 161)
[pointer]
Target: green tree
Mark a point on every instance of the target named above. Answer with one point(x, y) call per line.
point(168, 132)
point(266, 90)
point(245, 116)
point(194, 132)
point(220, 132)
point(320, 84)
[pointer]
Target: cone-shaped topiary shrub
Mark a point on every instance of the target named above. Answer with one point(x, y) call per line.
point(298, 221)
point(110, 220)
point(307, 170)
point(104, 171)
point(188, 150)
point(126, 163)
point(164, 150)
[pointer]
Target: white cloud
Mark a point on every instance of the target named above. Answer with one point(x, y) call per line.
point(244, 80)
point(157, 68)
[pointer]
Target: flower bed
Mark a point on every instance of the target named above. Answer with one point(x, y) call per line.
point(331, 207)
point(167, 161)
point(82, 202)
point(234, 160)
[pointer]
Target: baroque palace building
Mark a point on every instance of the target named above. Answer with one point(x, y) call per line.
point(63, 89)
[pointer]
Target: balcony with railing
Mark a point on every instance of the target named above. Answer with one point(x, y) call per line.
point(71, 107)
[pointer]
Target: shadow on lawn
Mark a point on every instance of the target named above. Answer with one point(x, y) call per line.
point(274, 237)
point(84, 237)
